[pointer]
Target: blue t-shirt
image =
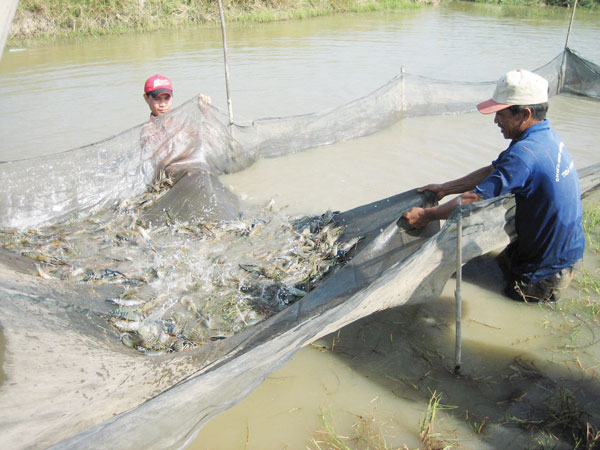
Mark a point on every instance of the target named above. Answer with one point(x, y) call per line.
point(538, 169)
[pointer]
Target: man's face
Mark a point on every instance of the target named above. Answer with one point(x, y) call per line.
point(160, 104)
point(512, 127)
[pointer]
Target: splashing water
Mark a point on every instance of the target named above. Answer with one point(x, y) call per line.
point(186, 283)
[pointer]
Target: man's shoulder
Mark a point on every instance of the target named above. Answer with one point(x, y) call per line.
point(540, 133)
point(537, 143)
point(522, 151)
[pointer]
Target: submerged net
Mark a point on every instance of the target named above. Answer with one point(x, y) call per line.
point(132, 247)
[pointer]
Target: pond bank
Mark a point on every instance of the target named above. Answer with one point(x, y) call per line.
point(42, 20)
point(38, 19)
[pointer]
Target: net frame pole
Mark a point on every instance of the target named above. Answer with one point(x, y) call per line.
point(570, 25)
point(563, 65)
point(458, 291)
point(223, 32)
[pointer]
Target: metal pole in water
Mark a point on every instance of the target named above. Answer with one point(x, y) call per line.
point(457, 292)
point(229, 107)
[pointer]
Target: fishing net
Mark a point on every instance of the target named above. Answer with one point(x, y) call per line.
point(195, 140)
point(140, 297)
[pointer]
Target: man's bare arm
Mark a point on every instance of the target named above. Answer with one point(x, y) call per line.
point(460, 185)
point(419, 217)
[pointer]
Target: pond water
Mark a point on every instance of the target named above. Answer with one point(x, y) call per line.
point(70, 94)
point(65, 95)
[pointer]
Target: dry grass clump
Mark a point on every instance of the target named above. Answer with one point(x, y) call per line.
point(75, 18)
point(374, 434)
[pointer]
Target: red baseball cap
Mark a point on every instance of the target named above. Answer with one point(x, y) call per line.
point(157, 84)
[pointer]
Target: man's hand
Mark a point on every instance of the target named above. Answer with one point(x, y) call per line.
point(203, 102)
point(416, 217)
point(204, 99)
point(419, 217)
point(437, 189)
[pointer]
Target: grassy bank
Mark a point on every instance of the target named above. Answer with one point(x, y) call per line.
point(44, 19)
point(587, 4)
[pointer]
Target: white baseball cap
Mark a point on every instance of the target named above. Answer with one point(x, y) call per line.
point(517, 87)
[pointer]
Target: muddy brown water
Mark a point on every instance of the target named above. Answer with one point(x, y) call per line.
point(379, 373)
point(69, 94)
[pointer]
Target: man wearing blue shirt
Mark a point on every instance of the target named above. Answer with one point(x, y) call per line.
point(538, 170)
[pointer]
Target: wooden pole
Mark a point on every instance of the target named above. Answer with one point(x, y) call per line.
point(229, 106)
point(457, 292)
point(563, 65)
point(570, 24)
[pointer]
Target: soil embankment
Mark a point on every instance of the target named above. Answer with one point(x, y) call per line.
point(37, 19)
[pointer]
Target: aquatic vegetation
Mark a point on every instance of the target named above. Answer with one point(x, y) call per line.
point(186, 283)
point(591, 226)
point(557, 416)
point(581, 312)
point(328, 438)
point(477, 423)
point(430, 439)
point(589, 283)
point(368, 433)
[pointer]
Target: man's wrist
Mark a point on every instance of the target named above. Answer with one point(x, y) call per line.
point(429, 214)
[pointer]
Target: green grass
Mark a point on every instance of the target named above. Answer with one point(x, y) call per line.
point(559, 419)
point(586, 4)
point(581, 312)
point(45, 20)
point(430, 439)
point(561, 413)
point(587, 281)
point(367, 433)
point(591, 225)
point(328, 438)
point(42, 19)
point(370, 433)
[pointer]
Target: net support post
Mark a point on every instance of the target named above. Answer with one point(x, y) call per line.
point(229, 105)
point(570, 25)
point(457, 292)
point(563, 65)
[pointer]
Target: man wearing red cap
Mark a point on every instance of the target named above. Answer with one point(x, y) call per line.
point(173, 145)
point(538, 170)
point(155, 135)
point(158, 93)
